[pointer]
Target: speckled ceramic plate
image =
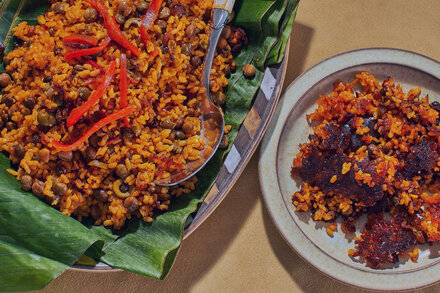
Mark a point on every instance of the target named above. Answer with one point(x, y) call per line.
point(289, 128)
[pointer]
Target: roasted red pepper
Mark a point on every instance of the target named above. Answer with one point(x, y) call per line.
point(94, 65)
point(148, 20)
point(112, 27)
point(123, 88)
point(81, 39)
point(98, 125)
point(89, 51)
point(79, 111)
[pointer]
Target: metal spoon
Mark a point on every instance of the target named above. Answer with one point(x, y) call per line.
point(212, 121)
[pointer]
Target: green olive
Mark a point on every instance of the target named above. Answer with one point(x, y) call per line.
point(121, 189)
point(132, 21)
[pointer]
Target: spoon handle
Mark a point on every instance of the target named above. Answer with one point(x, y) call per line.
point(222, 12)
point(224, 4)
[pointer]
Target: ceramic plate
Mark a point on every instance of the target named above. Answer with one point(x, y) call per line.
point(290, 128)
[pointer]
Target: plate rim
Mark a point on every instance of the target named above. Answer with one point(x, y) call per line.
point(269, 148)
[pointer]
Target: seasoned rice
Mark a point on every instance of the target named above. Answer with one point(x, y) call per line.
point(374, 151)
point(164, 129)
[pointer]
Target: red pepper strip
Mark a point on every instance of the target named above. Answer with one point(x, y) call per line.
point(95, 65)
point(112, 27)
point(98, 125)
point(149, 18)
point(79, 111)
point(82, 39)
point(155, 52)
point(89, 51)
point(123, 85)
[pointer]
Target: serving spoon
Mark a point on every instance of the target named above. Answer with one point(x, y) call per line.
point(212, 120)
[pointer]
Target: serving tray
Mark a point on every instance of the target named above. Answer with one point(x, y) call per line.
point(245, 144)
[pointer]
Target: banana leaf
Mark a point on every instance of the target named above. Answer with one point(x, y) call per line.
point(37, 242)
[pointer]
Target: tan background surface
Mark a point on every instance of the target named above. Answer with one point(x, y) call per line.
point(238, 249)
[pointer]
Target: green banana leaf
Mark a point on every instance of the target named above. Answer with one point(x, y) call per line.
point(277, 53)
point(37, 242)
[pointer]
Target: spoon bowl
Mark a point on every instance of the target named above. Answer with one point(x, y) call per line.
point(212, 121)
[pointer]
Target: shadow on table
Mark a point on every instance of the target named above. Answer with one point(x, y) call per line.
point(300, 43)
point(211, 239)
point(215, 235)
point(306, 276)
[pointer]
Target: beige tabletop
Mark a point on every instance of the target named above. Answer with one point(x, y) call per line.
point(238, 249)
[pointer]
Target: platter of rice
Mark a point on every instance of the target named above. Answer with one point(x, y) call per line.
point(340, 201)
point(61, 122)
point(100, 101)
